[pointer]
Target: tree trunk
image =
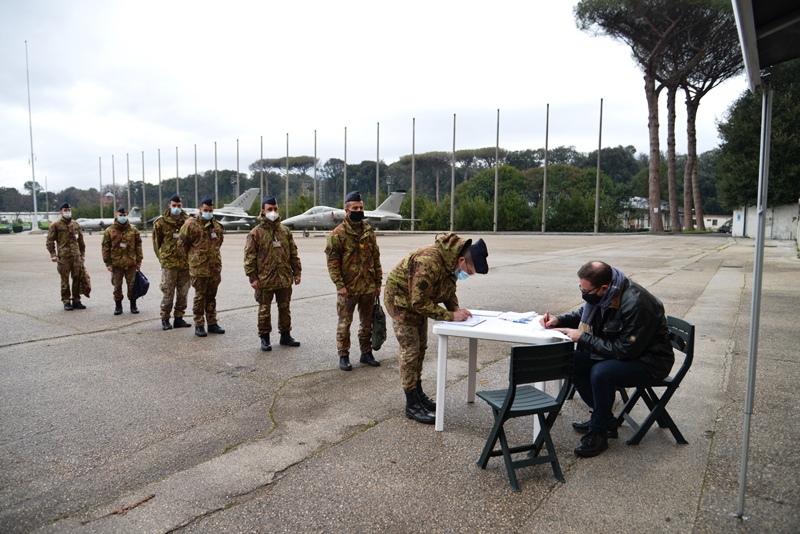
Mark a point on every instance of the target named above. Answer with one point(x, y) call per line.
point(656, 225)
point(691, 130)
point(672, 182)
point(437, 186)
point(691, 163)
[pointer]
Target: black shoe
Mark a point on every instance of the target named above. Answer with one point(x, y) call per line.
point(180, 323)
point(426, 401)
point(199, 331)
point(265, 346)
point(165, 324)
point(344, 363)
point(134, 309)
point(67, 306)
point(215, 329)
point(415, 410)
point(287, 340)
point(369, 359)
point(77, 305)
point(118, 308)
point(592, 444)
point(583, 428)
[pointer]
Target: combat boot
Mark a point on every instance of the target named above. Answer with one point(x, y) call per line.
point(77, 305)
point(415, 410)
point(287, 340)
point(180, 323)
point(134, 309)
point(265, 346)
point(200, 331)
point(426, 401)
point(165, 324)
point(118, 309)
point(215, 329)
point(68, 306)
point(369, 359)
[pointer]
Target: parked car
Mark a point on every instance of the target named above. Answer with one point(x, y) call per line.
point(5, 228)
point(726, 227)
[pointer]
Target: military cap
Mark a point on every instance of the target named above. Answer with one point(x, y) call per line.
point(479, 254)
point(207, 201)
point(175, 198)
point(122, 209)
point(269, 199)
point(353, 196)
point(64, 206)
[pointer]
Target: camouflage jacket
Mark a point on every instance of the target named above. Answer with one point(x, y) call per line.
point(122, 246)
point(68, 237)
point(425, 278)
point(165, 241)
point(270, 255)
point(354, 259)
point(201, 241)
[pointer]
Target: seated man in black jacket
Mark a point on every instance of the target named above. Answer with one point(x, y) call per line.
point(622, 341)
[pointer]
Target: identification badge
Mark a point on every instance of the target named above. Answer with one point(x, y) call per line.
point(175, 235)
point(123, 245)
point(76, 237)
point(213, 235)
point(276, 244)
point(361, 245)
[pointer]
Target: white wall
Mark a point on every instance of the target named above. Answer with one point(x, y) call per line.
point(782, 222)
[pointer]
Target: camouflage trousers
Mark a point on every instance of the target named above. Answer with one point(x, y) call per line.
point(70, 267)
point(283, 297)
point(116, 280)
point(411, 331)
point(174, 284)
point(205, 299)
point(345, 308)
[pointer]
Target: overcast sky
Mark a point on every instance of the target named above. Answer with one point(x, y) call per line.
point(119, 77)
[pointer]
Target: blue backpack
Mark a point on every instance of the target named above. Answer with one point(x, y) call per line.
point(140, 285)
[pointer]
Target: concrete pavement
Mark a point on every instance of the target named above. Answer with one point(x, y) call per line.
point(99, 413)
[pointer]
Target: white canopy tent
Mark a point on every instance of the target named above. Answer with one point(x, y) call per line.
point(769, 32)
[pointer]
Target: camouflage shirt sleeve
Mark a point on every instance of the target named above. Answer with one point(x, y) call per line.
point(51, 240)
point(106, 247)
point(421, 288)
point(139, 253)
point(377, 261)
point(81, 242)
point(157, 240)
point(251, 255)
point(334, 253)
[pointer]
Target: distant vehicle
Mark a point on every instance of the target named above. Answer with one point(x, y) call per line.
point(134, 217)
point(726, 227)
point(5, 228)
point(234, 215)
point(324, 217)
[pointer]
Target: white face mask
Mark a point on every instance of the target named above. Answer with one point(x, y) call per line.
point(206, 215)
point(67, 214)
point(272, 215)
point(175, 211)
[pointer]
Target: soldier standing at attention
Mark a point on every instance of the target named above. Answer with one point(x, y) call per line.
point(66, 234)
point(122, 254)
point(420, 281)
point(271, 263)
point(201, 239)
point(174, 264)
point(354, 265)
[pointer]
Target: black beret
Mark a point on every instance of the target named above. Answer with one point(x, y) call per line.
point(64, 206)
point(122, 209)
point(207, 201)
point(479, 255)
point(175, 198)
point(353, 196)
point(269, 199)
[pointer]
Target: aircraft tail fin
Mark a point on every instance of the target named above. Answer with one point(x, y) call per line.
point(245, 200)
point(393, 203)
point(135, 213)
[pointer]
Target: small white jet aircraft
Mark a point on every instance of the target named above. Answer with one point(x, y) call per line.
point(323, 217)
point(134, 217)
point(234, 215)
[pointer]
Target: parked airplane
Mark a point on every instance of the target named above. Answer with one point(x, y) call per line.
point(235, 214)
point(323, 217)
point(134, 217)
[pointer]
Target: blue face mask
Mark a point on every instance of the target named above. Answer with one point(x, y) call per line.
point(175, 211)
point(462, 275)
point(122, 219)
point(207, 216)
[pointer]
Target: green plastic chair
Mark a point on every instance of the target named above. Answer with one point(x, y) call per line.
point(529, 364)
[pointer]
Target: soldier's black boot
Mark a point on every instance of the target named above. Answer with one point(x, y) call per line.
point(215, 329)
point(265, 346)
point(200, 331)
point(288, 340)
point(68, 306)
point(77, 305)
point(134, 309)
point(415, 410)
point(180, 323)
point(344, 363)
point(165, 324)
point(426, 401)
point(369, 359)
point(118, 309)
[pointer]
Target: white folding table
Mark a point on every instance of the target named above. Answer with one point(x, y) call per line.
point(492, 329)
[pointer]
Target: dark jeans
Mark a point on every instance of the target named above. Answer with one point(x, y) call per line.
point(597, 381)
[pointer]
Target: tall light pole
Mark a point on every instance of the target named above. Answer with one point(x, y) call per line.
point(35, 225)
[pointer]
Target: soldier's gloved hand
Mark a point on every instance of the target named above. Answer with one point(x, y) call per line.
point(54, 259)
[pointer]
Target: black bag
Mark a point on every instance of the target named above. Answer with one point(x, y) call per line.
point(140, 285)
point(378, 325)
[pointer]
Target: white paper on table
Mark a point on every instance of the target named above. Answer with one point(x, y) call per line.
point(526, 317)
point(486, 313)
point(472, 321)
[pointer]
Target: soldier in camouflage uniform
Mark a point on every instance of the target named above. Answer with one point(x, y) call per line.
point(423, 279)
point(66, 234)
point(271, 263)
point(174, 264)
point(354, 265)
point(201, 240)
point(122, 254)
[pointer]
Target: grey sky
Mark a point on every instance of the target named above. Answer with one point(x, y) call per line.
point(115, 77)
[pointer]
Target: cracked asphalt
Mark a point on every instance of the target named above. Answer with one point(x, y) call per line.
point(109, 424)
